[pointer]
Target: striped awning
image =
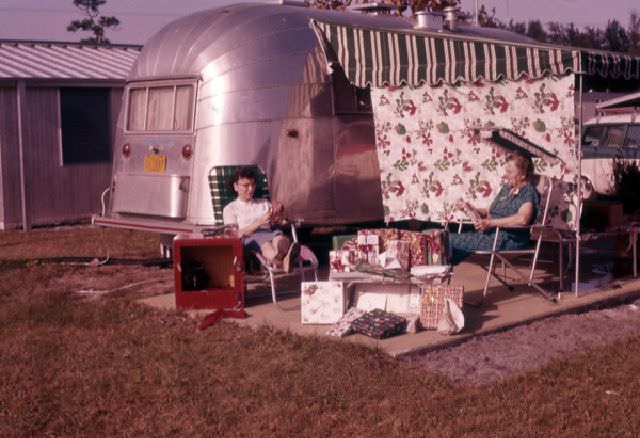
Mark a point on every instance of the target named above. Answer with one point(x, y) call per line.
point(389, 57)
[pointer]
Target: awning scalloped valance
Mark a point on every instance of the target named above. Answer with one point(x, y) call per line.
point(388, 57)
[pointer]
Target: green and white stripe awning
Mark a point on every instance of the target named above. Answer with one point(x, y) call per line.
point(386, 57)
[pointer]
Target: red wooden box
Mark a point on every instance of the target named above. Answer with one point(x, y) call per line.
point(208, 272)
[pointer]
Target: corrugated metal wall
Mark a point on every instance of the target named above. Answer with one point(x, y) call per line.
point(55, 193)
point(9, 169)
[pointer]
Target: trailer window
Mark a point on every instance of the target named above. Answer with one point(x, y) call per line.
point(161, 108)
point(183, 115)
point(347, 98)
point(137, 99)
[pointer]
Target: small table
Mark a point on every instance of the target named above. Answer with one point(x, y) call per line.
point(387, 284)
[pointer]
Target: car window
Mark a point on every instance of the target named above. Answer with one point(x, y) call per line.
point(593, 135)
point(633, 136)
point(614, 136)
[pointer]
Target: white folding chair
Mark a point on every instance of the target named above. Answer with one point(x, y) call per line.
point(544, 187)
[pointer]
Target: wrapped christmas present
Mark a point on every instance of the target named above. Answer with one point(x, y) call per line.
point(436, 246)
point(342, 260)
point(432, 302)
point(344, 325)
point(384, 235)
point(368, 248)
point(417, 246)
point(397, 255)
point(338, 240)
point(322, 302)
point(379, 324)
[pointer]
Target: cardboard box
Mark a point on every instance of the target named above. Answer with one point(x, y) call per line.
point(601, 215)
point(393, 298)
point(322, 302)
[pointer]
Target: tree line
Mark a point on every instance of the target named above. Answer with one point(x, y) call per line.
point(614, 37)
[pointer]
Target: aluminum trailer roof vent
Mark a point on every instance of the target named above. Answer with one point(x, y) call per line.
point(374, 8)
point(428, 20)
point(451, 17)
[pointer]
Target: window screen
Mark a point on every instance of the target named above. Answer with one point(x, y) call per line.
point(161, 108)
point(137, 99)
point(84, 118)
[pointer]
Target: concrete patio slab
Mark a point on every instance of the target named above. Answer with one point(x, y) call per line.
point(500, 310)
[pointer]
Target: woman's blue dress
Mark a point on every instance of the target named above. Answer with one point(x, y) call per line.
point(505, 204)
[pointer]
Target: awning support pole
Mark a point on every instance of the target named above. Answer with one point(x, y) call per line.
point(579, 205)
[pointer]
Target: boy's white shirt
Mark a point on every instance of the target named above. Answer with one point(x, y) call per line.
point(244, 213)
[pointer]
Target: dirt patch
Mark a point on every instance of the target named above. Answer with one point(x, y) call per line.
point(136, 282)
point(490, 358)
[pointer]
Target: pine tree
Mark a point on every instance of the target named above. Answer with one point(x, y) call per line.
point(94, 22)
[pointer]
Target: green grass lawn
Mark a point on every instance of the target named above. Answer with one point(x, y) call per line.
point(111, 367)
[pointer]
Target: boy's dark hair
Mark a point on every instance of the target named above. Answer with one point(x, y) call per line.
point(245, 172)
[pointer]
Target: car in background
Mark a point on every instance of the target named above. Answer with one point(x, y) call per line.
point(614, 133)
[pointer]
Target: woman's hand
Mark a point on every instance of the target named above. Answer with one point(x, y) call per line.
point(483, 224)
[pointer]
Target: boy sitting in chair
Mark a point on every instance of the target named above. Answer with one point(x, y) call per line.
point(254, 218)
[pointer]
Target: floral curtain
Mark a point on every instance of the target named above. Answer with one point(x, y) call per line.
point(432, 152)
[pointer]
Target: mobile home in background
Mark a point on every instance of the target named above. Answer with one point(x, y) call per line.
point(59, 103)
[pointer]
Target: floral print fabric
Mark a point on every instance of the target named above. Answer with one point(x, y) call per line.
point(433, 154)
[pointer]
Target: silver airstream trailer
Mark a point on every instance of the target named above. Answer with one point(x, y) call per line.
point(244, 83)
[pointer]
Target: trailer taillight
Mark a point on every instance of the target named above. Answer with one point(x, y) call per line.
point(126, 150)
point(187, 151)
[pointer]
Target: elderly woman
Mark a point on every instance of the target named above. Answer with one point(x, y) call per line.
point(253, 217)
point(516, 205)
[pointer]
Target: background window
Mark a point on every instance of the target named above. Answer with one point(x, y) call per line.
point(633, 136)
point(615, 136)
point(84, 117)
point(593, 136)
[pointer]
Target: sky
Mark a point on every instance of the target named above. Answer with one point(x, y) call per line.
point(48, 19)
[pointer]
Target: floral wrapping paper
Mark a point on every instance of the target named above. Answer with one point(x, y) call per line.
point(431, 153)
point(432, 300)
point(379, 324)
point(322, 302)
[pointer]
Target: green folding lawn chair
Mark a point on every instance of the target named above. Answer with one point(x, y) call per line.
point(222, 193)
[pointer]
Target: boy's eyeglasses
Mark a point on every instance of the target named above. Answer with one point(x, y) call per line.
point(247, 186)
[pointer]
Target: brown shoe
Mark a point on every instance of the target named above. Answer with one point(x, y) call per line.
point(290, 258)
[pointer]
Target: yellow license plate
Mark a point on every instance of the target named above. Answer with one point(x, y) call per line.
point(155, 163)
